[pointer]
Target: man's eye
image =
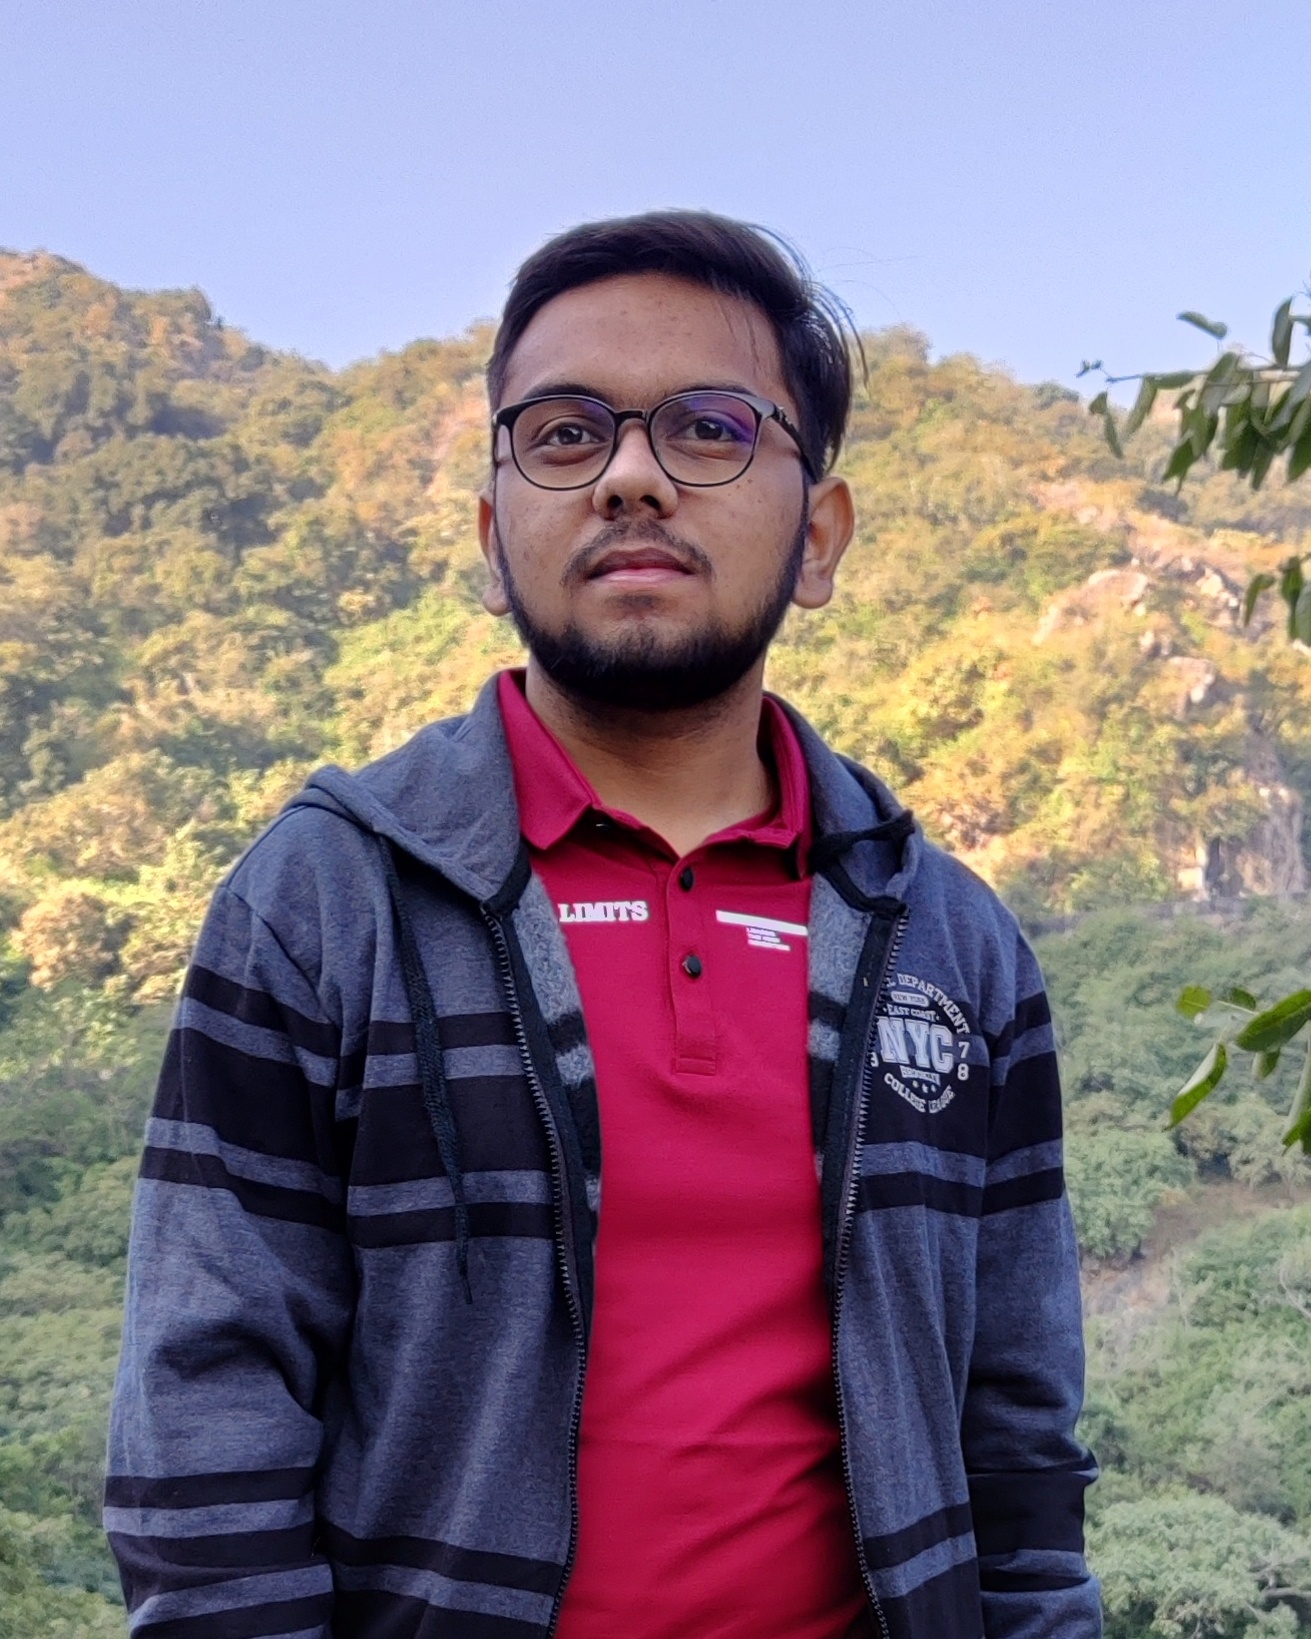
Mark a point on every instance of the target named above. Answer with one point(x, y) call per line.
point(707, 430)
point(566, 435)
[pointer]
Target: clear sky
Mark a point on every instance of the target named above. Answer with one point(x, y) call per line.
point(1033, 181)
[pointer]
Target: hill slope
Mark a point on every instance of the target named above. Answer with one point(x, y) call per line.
point(220, 565)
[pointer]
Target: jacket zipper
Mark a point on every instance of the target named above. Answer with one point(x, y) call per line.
point(844, 1249)
point(562, 1257)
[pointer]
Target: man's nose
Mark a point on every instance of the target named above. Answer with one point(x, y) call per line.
point(634, 482)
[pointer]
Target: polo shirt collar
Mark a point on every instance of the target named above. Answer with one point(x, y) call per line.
point(554, 794)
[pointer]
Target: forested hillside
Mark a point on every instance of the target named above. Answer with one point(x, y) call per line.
point(220, 566)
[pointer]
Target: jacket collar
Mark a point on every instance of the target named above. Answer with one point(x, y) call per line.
point(849, 802)
point(446, 797)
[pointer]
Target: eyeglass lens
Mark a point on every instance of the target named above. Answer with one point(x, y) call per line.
point(698, 438)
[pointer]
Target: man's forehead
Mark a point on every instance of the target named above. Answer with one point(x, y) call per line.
point(645, 334)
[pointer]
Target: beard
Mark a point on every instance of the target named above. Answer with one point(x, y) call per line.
point(641, 670)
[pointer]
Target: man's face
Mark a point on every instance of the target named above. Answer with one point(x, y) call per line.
point(637, 590)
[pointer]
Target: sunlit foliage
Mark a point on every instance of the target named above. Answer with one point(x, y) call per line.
point(220, 566)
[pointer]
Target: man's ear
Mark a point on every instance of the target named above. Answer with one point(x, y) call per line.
point(828, 534)
point(494, 599)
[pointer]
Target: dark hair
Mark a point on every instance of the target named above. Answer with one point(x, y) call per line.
point(811, 325)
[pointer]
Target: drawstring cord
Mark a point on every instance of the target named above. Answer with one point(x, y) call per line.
point(428, 1051)
point(826, 860)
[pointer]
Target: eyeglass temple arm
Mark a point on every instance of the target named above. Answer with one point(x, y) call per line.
point(794, 433)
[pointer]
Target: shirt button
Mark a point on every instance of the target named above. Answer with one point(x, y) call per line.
point(692, 966)
point(686, 877)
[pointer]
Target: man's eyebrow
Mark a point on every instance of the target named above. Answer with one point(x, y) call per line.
point(721, 387)
point(580, 389)
point(564, 389)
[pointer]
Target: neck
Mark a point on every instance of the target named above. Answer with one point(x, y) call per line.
point(685, 774)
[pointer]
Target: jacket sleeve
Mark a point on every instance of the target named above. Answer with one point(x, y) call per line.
point(238, 1303)
point(1027, 1471)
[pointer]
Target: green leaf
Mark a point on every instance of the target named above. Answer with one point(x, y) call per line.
point(1213, 327)
point(1261, 462)
point(1281, 333)
point(1236, 996)
point(1299, 1116)
point(1112, 436)
point(1181, 458)
point(1302, 616)
point(1280, 415)
point(1226, 387)
point(1255, 587)
point(1224, 367)
point(1238, 418)
point(1142, 406)
point(1219, 382)
point(1202, 426)
point(1264, 1064)
point(1241, 438)
point(1175, 378)
point(1239, 456)
point(1098, 405)
point(1290, 589)
point(1204, 1079)
point(1299, 458)
point(1301, 387)
point(1193, 1001)
point(1277, 1025)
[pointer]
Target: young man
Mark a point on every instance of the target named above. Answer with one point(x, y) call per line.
point(606, 1180)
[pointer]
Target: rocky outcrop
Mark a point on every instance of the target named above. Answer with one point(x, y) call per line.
point(1195, 679)
point(1269, 859)
point(1081, 605)
point(1168, 559)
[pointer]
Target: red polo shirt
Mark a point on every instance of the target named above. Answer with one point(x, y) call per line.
point(711, 1497)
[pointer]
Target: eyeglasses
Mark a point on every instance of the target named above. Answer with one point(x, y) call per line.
point(702, 438)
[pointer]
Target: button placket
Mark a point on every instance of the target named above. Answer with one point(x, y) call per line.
point(696, 1036)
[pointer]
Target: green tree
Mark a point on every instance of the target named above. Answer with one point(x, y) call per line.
point(30, 1608)
point(1183, 1566)
point(1255, 409)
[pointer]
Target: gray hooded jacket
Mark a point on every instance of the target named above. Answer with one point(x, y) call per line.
point(361, 1270)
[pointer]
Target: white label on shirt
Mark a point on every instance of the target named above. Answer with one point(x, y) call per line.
point(763, 931)
point(605, 910)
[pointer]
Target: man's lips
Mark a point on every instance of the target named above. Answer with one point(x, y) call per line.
point(646, 563)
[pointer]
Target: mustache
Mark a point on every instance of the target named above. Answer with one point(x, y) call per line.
point(645, 533)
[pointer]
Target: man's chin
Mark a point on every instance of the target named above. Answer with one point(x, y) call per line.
point(648, 670)
point(635, 636)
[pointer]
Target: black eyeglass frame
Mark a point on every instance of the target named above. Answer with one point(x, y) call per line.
point(764, 409)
